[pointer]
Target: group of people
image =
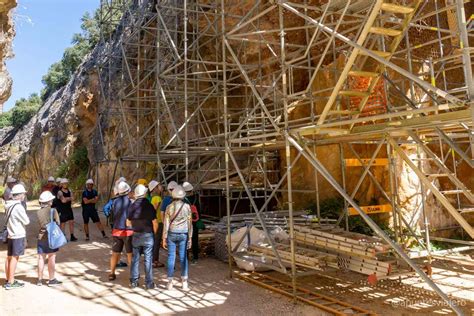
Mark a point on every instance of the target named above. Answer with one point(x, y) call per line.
point(142, 220)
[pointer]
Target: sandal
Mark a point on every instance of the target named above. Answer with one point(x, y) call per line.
point(112, 277)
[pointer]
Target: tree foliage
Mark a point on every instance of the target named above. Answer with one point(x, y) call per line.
point(22, 112)
point(59, 73)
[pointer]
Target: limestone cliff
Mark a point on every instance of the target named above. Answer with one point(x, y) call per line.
point(6, 38)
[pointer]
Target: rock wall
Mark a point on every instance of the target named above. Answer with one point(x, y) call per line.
point(7, 34)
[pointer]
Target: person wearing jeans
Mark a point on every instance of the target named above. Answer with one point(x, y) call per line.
point(177, 232)
point(142, 217)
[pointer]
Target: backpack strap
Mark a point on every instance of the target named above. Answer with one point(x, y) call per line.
point(177, 213)
point(9, 211)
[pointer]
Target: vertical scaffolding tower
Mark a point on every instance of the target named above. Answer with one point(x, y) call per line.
point(232, 96)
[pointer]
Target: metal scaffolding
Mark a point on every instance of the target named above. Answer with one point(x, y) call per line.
point(231, 96)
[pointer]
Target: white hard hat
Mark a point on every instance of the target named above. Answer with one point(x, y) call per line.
point(140, 191)
point(152, 185)
point(51, 179)
point(187, 186)
point(122, 179)
point(11, 180)
point(123, 188)
point(46, 197)
point(90, 181)
point(18, 189)
point(64, 181)
point(58, 179)
point(178, 192)
point(172, 185)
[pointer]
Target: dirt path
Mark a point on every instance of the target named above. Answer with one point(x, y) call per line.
point(82, 267)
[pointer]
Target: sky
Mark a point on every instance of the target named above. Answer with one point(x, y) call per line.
point(44, 28)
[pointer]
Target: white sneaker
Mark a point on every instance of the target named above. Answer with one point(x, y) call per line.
point(185, 285)
point(169, 286)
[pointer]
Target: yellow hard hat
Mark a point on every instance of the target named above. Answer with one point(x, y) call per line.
point(142, 182)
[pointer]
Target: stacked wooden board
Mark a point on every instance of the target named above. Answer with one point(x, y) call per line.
point(354, 252)
point(324, 246)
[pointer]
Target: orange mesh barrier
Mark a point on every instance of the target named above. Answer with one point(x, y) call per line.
point(377, 103)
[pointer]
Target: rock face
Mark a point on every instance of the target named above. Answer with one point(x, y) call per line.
point(6, 39)
point(65, 122)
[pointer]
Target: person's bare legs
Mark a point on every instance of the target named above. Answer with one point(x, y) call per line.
point(99, 226)
point(129, 258)
point(63, 227)
point(51, 265)
point(7, 267)
point(113, 261)
point(12, 267)
point(41, 258)
point(71, 227)
point(86, 229)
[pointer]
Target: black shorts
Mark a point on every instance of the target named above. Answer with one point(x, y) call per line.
point(66, 216)
point(16, 247)
point(119, 242)
point(90, 214)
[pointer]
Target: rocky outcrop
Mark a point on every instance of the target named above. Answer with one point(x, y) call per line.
point(6, 38)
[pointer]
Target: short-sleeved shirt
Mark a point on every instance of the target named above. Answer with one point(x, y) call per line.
point(156, 199)
point(88, 195)
point(142, 214)
point(167, 200)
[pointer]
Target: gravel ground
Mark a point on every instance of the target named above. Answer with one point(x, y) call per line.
point(82, 266)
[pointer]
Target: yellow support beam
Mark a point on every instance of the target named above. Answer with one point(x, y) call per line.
point(365, 161)
point(372, 209)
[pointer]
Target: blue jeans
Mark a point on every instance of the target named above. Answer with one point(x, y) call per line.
point(142, 243)
point(180, 241)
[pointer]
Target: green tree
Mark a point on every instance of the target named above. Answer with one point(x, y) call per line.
point(24, 110)
point(6, 119)
point(59, 73)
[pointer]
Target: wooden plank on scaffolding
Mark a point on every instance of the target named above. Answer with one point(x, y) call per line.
point(367, 240)
point(365, 161)
point(372, 209)
point(337, 245)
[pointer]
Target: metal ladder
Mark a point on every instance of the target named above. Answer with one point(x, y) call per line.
point(356, 65)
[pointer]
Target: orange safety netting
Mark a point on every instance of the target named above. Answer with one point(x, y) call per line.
point(377, 102)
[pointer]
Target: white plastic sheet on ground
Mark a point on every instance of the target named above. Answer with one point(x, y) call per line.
point(255, 236)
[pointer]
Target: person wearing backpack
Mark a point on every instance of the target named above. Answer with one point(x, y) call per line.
point(177, 232)
point(15, 221)
point(121, 232)
point(44, 218)
point(192, 199)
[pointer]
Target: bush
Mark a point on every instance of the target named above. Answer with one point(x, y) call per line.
point(5, 119)
point(22, 112)
point(75, 168)
point(25, 109)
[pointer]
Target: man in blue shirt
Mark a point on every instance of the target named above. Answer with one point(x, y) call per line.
point(168, 199)
point(89, 198)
